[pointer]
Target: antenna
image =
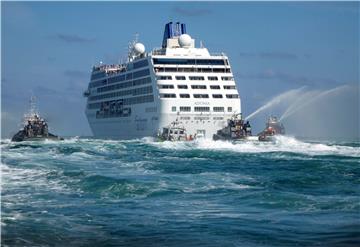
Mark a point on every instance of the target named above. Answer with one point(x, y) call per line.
point(136, 37)
point(32, 105)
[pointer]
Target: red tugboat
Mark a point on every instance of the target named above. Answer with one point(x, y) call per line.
point(273, 128)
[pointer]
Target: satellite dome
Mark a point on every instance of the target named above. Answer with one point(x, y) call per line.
point(185, 40)
point(139, 48)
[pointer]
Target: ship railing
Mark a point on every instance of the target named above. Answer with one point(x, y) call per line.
point(158, 51)
point(219, 54)
point(108, 67)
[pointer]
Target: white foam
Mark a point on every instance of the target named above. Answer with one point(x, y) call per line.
point(281, 144)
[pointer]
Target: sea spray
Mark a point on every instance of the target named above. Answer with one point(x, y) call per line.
point(288, 95)
point(309, 98)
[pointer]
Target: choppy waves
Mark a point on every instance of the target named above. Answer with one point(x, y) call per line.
point(145, 193)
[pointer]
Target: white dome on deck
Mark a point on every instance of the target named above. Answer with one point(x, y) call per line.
point(185, 40)
point(139, 48)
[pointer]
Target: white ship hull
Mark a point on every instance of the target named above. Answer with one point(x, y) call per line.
point(149, 92)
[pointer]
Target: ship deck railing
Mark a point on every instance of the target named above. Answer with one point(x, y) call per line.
point(162, 52)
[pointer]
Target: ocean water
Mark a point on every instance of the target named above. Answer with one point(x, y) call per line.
point(91, 192)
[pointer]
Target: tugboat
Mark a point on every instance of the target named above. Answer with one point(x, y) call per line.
point(236, 129)
point(174, 132)
point(35, 128)
point(273, 128)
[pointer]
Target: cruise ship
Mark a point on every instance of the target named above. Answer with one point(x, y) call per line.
point(177, 82)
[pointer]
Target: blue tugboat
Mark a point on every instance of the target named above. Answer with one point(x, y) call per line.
point(35, 128)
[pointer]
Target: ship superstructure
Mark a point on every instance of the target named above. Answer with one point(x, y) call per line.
point(177, 82)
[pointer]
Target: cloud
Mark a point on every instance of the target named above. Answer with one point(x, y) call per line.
point(191, 12)
point(45, 91)
point(76, 74)
point(278, 55)
point(72, 38)
point(271, 74)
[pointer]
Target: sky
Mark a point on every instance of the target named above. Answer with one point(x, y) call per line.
point(48, 49)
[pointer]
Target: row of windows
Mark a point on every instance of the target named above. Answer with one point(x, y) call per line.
point(196, 78)
point(119, 78)
point(170, 86)
point(135, 91)
point(127, 101)
point(201, 118)
point(201, 109)
point(98, 75)
point(200, 70)
point(199, 96)
point(136, 82)
point(190, 61)
point(97, 83)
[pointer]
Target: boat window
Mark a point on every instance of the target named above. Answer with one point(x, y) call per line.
point(232, 96)
point(202, 108)
point(185, 108)
point(140, 64)
point(197, 96)
point(167, 95)
point(184, 95)
point(164, 77)
point(95, 76)
point(129, 76)
point(171, 69)
point(217, 70)
point(166, 86)
point(182, 86)
point(116, 79)
point(218, 109)
point(212, 78)
point(97, 83)
point(180, 78)
point(214, 86)
point(198, 86)
point(173, 108)
point(227, 78)
point(196, 78)
point(217, 96)
point(229, 87)
point(229, 109)
point(141, 73)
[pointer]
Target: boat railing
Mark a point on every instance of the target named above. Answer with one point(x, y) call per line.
point(158, 51)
